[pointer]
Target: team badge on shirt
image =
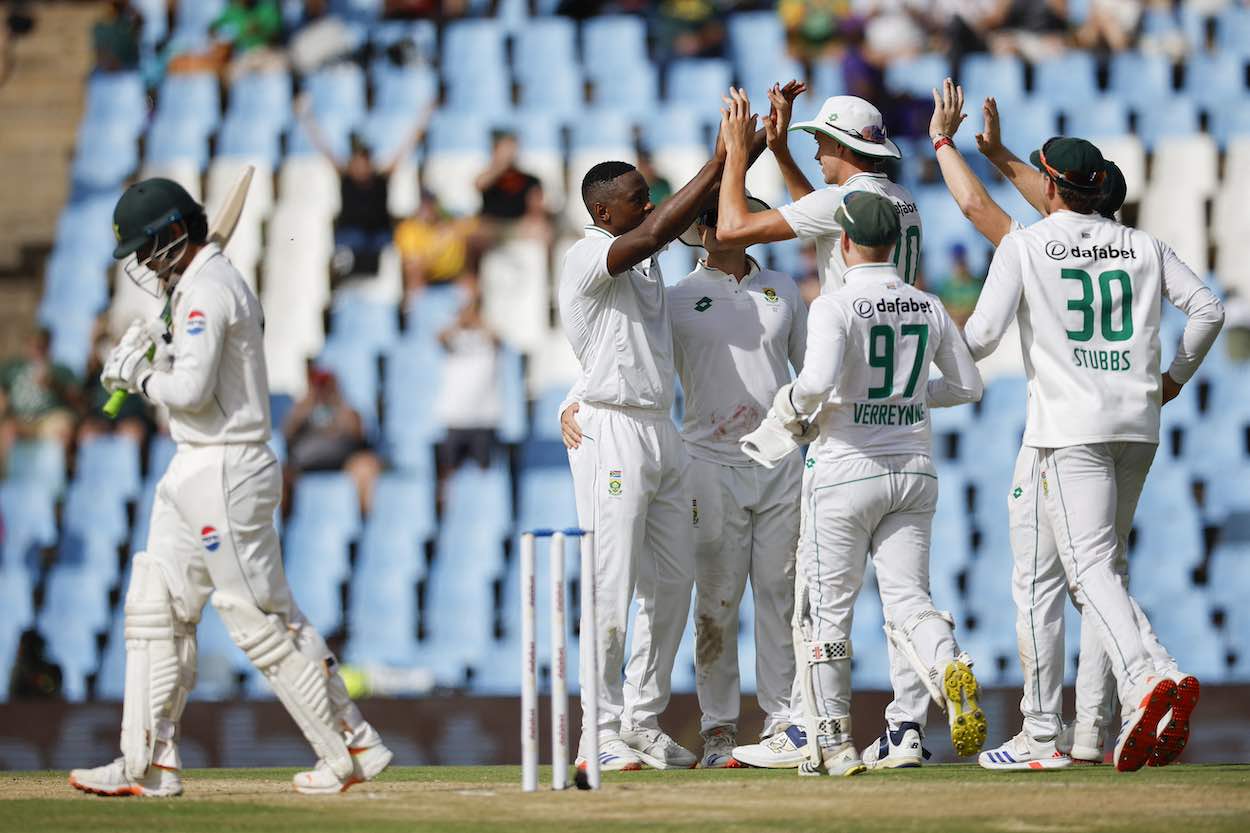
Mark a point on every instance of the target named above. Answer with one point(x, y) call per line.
point(770, 295)
point(1016, 492)
point(210, 538)
point(703, 304)
point(614, 483)
point(196, 322)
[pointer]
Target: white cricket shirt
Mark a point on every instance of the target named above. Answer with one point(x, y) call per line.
point(1087, 293)
point(618, 326)
point(734, 342)
point(869, 345)
point(811, 217)
point(217, 391)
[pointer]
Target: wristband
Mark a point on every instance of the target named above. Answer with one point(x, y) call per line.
point(941, 142)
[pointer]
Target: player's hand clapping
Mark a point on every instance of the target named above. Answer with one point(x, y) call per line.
point(990, 140)
point(777, 123)
point(737, 124)
point(948, 110)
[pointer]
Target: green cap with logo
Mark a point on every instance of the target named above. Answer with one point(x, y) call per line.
point(1114, 191)
point(145, 209)
point(1074, 163)
point(868, 219)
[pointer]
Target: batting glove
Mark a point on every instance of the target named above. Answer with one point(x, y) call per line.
point(127, 362)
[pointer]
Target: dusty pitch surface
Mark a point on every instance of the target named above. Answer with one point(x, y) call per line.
point(938, 798)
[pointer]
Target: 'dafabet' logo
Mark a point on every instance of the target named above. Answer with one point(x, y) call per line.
point(211, 539)
point(196, 322)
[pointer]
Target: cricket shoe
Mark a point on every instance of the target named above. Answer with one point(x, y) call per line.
point(614, 755)
point(657, 750)
point(112, 780)
point(840, 760)
point(368, 763)
point(1024, 752)
point(785, 749)
point(718, 749)
point(1174, 731)
point(969, 728)
point(1136, 743)
point(1087, 746)
point(897, 749)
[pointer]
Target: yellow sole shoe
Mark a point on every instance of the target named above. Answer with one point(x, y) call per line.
point(969, 728)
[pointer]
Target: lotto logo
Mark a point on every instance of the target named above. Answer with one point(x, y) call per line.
point(196, 322)
point(210, 538)
point(703, 304)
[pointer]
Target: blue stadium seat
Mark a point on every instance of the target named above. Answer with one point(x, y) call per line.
point(155, 20)
point(999, 75)
point(422, 33)
point(29, 523)
point(246, 138)
point(91, 554)
point(488, 94)
point(1233, 30)
point(262, 97)
point(1175, 116)
point(634, 93)
point(601, 129)
point(916, 76)
point(356, 369)
point(561, 94)
point(618, 44)
point(383, 617)
point(72, 646)
point(75, 609)
point(403, 507)
point(191, 97)
point(74, 281)
point(827, 80)
point(117, 98)
point(472, 46)
point(161, 449)
point(37, 463)
point(1071, 77)
point(315, 565)
point(413, 375)
point(405, 90)
point(1102, 116)
point(1217, 80)
point(698, 84)
point(546, 496)
point(72, 331)
point(16, 609)
point(460, 609)
point(110, 462)
point(176, 140)
point(1183, 625)
point(105, 159)
point(85, 228)
point(1027, 125)
point(327, 501)
point(545, 48)
point(335, 132)
point(427, 314)
point(513, 422)
point(367, 325)
point(457, 132)
point(95, 511)
point(143, 517)
point(338, 91)
point(1139, 79)
point(193, 19)
point(674, 127)
point(752, 34)
point(363, 11)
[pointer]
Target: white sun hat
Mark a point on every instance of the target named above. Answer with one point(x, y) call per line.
point(691, 235)
point(855, 123)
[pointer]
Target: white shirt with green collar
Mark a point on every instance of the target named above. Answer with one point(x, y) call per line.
point(618, 326)
point(734, 342)
point(811, 217)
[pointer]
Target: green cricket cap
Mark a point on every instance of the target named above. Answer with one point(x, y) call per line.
point(868, 219)
point(1076, 163)
point(1114, 190)
point(146, 208)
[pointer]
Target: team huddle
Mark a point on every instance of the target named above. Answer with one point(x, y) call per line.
point(732, 496)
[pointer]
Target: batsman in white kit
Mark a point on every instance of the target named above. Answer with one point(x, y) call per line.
point(737, 330)
point(870, 490)
point(212, 533)
point(1087, 292)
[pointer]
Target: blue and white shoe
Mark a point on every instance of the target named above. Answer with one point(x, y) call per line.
point(1024, 752)
point(897, 749)
point(784, 750)
point(614, 755)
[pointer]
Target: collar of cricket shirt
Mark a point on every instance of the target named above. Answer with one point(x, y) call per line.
point(703, 270)
point(871, 272)
point(863, 175)
point(203, 256)
point(592, 230)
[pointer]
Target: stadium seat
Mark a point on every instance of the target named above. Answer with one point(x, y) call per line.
point(1070, 77)
point(1026, 125)
point(117, 98)
point(827, 80)
point(96, 512)
point(110, 462)
point(1180, 219)
point(634, 93)
point(363, 325)
point(915, 76)
point(457, 150)
point(1139, 79)
point(1216, 80)
point(1228, 124)
point(557, 96)
point(472, 46)
point(405, 91)
point(105, 160)
point(541, 153)
point(544, 49)
point(1186, 164)
point(1094, 118)
point(75, 282)
point(618, 44)
point(242, 136)
point(28, 511)
point(1130, 156)
point(1233, 31)
point(316, 564)
point(174, 139)
point(429, 312)
point(193, 98)
point(326, 501)
point(403, 508)
point(191, 20)
point(355, 367)
point(1001, 76)
point(697, 85)
point(411, 381)
point(263, 98)
point(1170, 117)
point(338, 92)
point(383, 618)
point(486, 94)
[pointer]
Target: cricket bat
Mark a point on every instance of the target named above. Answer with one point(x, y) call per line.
point(220, 229)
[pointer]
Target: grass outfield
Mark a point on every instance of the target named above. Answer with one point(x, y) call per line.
point(1178, 799)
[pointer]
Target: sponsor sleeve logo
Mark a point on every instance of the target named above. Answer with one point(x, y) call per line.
point(197, 322)
point(210, 538)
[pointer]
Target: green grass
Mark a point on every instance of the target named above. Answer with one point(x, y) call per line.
point(1178, 799)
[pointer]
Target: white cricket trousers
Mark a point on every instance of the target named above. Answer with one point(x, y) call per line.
point(629, 475)
point(1040, 588)
point(881, 507)
point(212, 529)
point(747, 524)
point(1090, 493)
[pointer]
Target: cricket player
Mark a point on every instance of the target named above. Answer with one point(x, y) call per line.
point(870, 490)
point(851, 142)
point(1039, 585)
point(1087, 293)
point(737, 330)
point(212, 533)
point(629, 465)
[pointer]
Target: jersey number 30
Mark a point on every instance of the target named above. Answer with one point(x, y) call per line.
point(1085, 305)
point(881, 354)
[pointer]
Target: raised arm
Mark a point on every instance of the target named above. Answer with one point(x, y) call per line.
point(777, 129)
point(303, 111)
point(1026, 179)
point(969, 192)
point(409, 144)
point(735, 223)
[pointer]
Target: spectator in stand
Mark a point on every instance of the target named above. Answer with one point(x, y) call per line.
point(812, 26)
point(660, 188)
point(960, 288)
point(134, 420)
point(469, 402)
point(1035, 30)
point(424, 9)
point(324, 433)
point(34, 676)
point(512, 199)
point(253, 31)
point(363, 228)
point(116, 38)
point(38, 398)
point(968, 25)
point(322, 39)
point(434, 248)
point(688, 29)
point(1111, 25)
